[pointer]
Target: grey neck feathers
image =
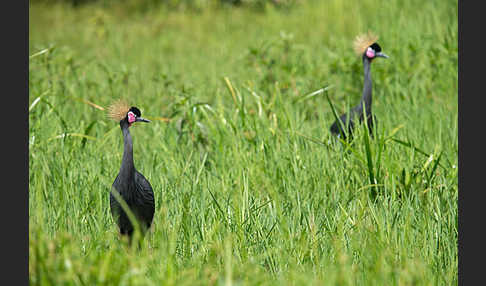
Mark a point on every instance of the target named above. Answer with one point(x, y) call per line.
point(366, 97)
point(127, 169)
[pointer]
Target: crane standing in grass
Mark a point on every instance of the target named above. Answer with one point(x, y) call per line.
point(366, 46)
point(130, 189)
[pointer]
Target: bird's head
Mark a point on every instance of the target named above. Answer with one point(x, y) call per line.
point(374, 51)
point(134, 115)
point(367, 46)
point(121, 111)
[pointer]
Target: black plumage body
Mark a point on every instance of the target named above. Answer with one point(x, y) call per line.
point(133, 188)
point(139, 197)
point(348, 120)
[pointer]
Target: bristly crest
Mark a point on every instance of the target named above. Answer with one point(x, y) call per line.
point(362, 42)
point(118, 110)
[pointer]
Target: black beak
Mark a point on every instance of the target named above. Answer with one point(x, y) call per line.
point(381, 55)
point(141, 119)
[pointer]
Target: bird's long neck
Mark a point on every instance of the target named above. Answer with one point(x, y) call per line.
point(366, 98)
point(127, 169)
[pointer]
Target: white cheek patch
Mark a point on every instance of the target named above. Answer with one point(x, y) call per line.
point(131, 117)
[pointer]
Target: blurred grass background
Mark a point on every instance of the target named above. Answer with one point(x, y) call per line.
point(250, 187)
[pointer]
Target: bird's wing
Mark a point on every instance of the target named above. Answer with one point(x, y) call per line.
point(143, 182)
point(147, 197)
point(336, 126)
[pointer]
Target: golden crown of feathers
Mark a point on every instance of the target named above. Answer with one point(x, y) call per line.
point(362, 42)
point(118, 110)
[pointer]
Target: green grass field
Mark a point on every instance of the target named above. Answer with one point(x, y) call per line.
point(250, 186)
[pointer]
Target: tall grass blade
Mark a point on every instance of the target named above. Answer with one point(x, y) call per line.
point(343, 130)
point(411, 146)
point(369, 156)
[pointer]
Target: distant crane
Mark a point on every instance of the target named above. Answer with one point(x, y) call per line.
point(130, 189)
point(366, 46)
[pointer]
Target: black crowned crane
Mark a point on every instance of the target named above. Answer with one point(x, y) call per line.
point(130, 189)
point(368, 48)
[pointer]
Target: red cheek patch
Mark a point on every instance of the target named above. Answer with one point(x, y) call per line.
point(370, 53)
point(131, 117)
